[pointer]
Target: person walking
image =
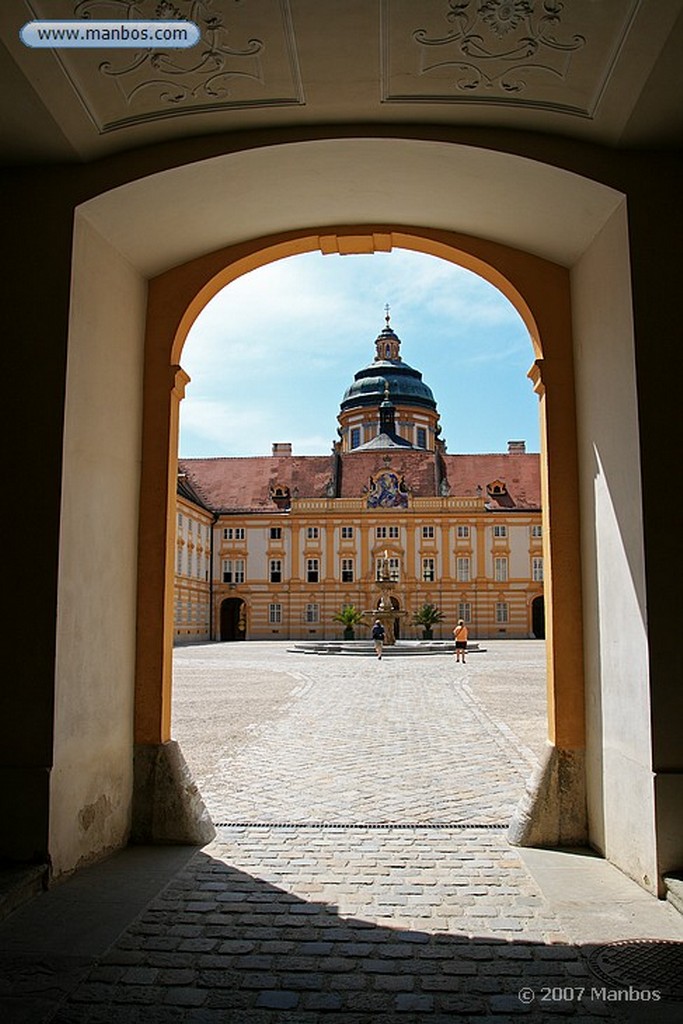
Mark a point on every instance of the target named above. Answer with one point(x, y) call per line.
point(378, 637)
point(460, 633)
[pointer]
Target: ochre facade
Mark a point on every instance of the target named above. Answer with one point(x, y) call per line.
point(274, 547)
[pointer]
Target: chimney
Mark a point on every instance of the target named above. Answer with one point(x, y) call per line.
point(516, 447)
point(282, 448)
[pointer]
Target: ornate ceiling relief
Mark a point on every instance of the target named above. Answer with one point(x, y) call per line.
point(246, 58)
point(551, 54)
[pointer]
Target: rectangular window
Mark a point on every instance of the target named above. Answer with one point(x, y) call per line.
point(179, 562)
point(347, 570)
point(386, 531)
point(428, 532)
point(275, 532)
point(537, 530)
point(501, 612)
point(234, 533)
point(537, 569)
point(500, 530)
point(500, 569)
point(462, 568)
point(393, 531)
point(312, 532)
point(347, 532)
point(428, 570)
point(355, 437)
point(190, 525)
point(312, 570)
point(465, 611)
point(463, 531)
point(180, 519)
point(312, 613)
point(274, 614)
point(275, 570)
point(421, 437)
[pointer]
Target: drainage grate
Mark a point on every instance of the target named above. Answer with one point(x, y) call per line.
point(645, 964)
point(360, 824)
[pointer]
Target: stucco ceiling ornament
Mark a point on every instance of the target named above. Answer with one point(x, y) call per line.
point(177, 77)
point(496, 41)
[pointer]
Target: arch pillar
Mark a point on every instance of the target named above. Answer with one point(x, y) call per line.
point(167, 806)
point(553, 809)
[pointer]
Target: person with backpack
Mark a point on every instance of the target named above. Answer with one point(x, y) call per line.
point(378, 636)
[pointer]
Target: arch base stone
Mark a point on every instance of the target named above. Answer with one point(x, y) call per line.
point(167, 806)
point(552, 811)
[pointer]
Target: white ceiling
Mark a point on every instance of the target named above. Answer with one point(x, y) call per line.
point(607, 71)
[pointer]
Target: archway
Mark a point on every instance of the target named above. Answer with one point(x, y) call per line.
point(538, 617)
point(233, 622)
point(539, 291)
point(552, 220)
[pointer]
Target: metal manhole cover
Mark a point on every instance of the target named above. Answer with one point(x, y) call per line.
point(642, 964)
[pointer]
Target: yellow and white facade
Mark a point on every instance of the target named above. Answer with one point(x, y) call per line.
point(273, 547)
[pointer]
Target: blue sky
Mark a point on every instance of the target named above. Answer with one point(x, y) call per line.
point(272, 354)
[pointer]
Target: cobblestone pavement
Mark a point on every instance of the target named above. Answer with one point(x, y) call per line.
point(414, 739)
point(389, 912)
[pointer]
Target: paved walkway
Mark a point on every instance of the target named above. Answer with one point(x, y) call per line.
point(408, 905)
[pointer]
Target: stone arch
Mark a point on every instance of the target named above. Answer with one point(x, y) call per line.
point(540, 292)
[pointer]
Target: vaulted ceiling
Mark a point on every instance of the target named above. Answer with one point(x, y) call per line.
point(606, 71)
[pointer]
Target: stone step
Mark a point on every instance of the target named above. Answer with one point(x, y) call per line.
point(674, 890)
point(18, 885)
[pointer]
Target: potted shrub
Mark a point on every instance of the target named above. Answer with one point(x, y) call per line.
point(427, 616)
point(349, 616)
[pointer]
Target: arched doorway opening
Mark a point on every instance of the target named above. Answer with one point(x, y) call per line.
point(396, 605)
point(539, 291)
point(233, 619)
point(538, 617)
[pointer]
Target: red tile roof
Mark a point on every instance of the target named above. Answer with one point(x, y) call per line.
point(520, 473)
point(244, 484)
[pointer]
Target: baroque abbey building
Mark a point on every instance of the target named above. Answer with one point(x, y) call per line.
point(273, 547)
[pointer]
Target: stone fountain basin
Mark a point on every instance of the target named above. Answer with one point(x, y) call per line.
point(365, 648)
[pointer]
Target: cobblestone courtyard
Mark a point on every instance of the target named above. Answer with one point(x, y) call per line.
point(361, 872)
point(356, 740)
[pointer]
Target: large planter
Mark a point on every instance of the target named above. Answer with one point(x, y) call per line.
point(349, 633)
point(427, 634)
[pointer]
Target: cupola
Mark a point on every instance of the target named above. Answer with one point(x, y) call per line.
point(388, 387)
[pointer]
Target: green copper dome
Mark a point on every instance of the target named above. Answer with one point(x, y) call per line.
point(387, 370)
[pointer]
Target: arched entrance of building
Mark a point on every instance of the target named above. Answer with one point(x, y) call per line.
point(233, 619)
point(538, 617)
point(396, 605)
point(540, 292)
point(553, 220)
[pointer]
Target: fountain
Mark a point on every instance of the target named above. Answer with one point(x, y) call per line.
point(385, 611)
point(387, 615)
